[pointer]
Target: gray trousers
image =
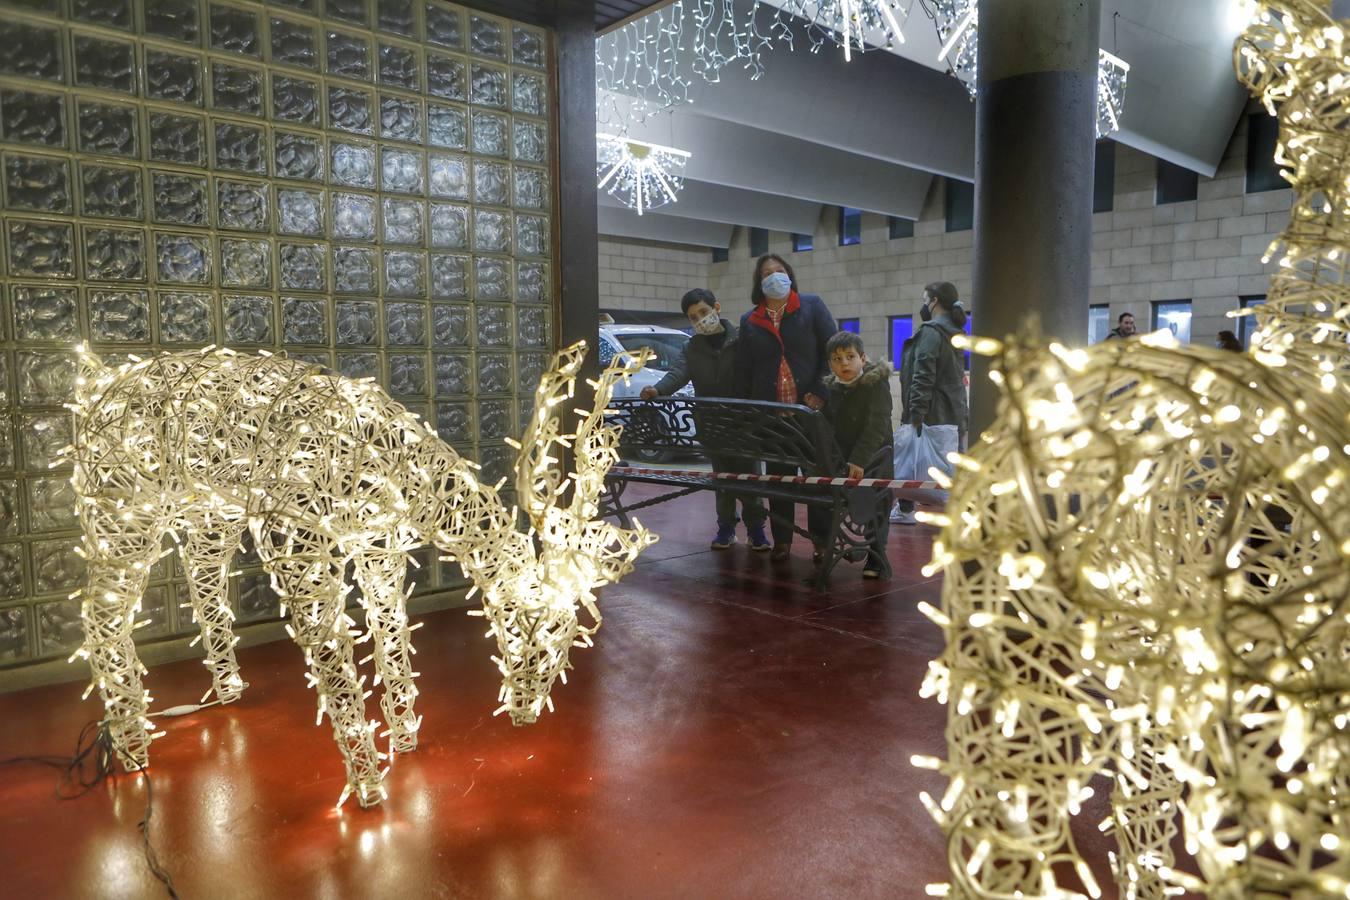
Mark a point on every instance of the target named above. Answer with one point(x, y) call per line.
point(752, 508)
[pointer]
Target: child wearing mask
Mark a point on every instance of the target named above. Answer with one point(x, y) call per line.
point(709, 361)
point(859, 408)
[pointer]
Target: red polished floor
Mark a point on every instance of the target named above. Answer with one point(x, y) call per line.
point(732, 735)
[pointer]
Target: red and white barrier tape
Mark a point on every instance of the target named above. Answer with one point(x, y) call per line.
point(892, 483)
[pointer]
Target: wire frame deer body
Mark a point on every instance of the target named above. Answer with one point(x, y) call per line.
point(326, 473)
point(1148, 571)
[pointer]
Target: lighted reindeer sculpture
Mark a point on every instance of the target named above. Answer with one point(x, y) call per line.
point(1148, 572)
point(328, 472)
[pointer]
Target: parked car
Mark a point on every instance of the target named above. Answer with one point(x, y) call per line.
point(665, 343)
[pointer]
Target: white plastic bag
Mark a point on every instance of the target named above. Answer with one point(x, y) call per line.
point(915, 454)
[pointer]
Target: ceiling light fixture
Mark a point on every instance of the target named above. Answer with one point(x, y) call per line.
point(641, 175)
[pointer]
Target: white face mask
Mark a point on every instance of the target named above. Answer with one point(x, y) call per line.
point(776, 286)
point(709, 324)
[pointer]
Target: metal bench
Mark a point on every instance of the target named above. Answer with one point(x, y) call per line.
point(752, 431)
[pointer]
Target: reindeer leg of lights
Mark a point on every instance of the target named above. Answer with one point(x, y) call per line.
point(306, 570)
point(208, 549)
point(118, 565)
point(380, 577)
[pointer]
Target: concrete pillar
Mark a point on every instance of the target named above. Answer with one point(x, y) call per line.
point(1035, 111)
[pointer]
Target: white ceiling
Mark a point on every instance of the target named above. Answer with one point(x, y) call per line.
point(873, 132)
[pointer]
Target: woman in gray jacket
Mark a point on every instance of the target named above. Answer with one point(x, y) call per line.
point(932, 374)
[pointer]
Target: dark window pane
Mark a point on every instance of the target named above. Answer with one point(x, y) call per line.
point(1175, 316)
point(1176, 184)
point(850, 325)
point(960, 205)
point(1104, 177)
point(759, 241)
point(1263, 132)
point(850, 226)
point(720, 254)
point(1247, 324)
point(801, 243)
point(900, 228)
point(902, 329)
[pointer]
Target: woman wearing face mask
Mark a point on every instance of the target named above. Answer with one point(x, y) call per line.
point(932, 376)
point(782, 359)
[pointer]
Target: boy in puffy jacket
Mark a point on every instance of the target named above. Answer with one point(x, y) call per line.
point(859, 408)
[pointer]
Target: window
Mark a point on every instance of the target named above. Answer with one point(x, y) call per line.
point(1099, 323)
point(1176, 184)
point(721, 254)
point(960, 205)
point(900, 228)
point(1246, 325)
point(1104, 177)
point(902, 329)
point(801, 243)
point(850, 226)
point(1263, 131)
point(759, 242)
point(849, 325)
point(1174, 315)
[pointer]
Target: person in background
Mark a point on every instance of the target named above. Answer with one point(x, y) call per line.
point(709, 361)
point(932, 374)
point(1228, 341)
point(859, 408)
point(781, 359)
point(1124, 328)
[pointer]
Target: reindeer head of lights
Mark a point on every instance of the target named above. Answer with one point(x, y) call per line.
point(1148, 571)
point(326, 472)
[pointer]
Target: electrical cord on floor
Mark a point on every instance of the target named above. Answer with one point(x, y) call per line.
point(89, 767)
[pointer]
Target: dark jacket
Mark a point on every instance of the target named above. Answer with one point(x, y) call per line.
point(1115, 335)
point(807, 325)
point(709, 361)
point(932, 376)
point(861, 413)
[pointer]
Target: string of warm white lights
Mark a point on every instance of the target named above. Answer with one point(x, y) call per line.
point(642, 176)
point(1147, 571)
point(326, 471)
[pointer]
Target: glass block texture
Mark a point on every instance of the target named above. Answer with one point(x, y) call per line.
point(365, 184)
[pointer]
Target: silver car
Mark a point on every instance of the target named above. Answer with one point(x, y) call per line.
point(665, 343)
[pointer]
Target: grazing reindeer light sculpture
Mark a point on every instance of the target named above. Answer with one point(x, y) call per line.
point(326, 471)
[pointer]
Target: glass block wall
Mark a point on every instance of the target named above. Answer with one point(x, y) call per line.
point(361, 183)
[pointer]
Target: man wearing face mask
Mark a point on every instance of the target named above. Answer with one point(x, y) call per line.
point(709, 361)
point(782, 359)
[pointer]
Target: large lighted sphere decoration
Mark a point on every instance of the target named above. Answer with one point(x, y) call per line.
point(328, 472)
point(1147, 565)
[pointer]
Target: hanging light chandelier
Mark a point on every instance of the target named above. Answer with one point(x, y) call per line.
point(958, 29)
point(640, 175)
point(849, 23)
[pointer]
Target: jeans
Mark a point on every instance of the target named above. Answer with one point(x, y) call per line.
point(785, 512)
point(752, 508)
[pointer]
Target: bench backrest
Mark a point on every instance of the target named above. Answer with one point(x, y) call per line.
point(741, 429)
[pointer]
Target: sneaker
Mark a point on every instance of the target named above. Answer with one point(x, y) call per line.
point(870, 573)
point(780, 551)
point(726, 536)
point(759, 541)
point(900, 517)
